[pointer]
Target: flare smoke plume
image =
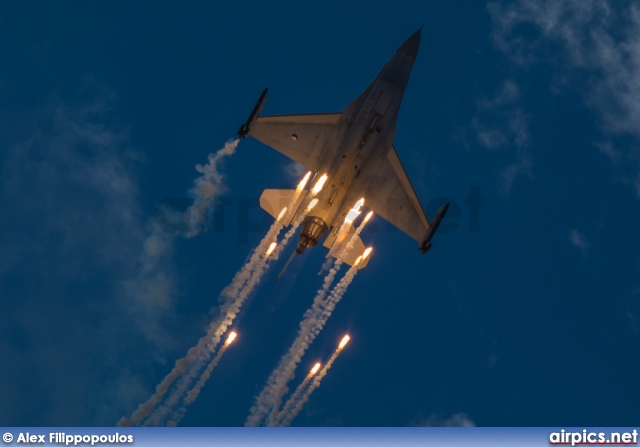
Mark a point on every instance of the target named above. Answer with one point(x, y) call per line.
point(299, 401)
point(269, 400)
point(232, 297)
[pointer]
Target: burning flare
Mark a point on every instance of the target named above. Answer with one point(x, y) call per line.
point(315, 368)
point(271, 248)
point(303, 182)
point(232, 336)
point(284, 210)
point(367, 217)
point(355, 211)
point(313, 203)
point(343, 342)
point(319, 184)
point(364, 256)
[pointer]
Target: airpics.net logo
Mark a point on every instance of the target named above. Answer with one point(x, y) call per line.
point(586, 437)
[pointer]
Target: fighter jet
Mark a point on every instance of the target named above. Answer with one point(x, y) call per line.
point(354, 149)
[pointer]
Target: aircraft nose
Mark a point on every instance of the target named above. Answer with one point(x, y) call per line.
point(411, 45)
point(399, 67)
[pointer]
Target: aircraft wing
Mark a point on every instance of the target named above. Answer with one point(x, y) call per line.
point(299, 137)
point(392, 196)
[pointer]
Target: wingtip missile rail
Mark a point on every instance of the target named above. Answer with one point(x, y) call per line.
point(246, 127)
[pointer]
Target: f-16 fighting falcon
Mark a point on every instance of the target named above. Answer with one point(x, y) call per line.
point(354, 158)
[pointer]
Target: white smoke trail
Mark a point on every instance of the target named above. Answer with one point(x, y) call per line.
point(291, 232)
point(288, 417)
point(352, 240)
point(271, 395)
point(195, 391)
point(252, 273)
point(206, 188)
point(338, 261)
point(269, 400)
point(322, 313)
point(326, 265)
point(257, 268)
point(213, 333)
point(243, 283)
point(333, 264)
point(335, 296)
point(293, 399)
point(151, 286)
point(184, 383)
point(234, 296)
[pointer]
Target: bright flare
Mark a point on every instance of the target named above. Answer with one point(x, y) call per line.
point(319, 184)
point(284, 210)
point(315, 368)
point(357, 261)
point(366, 253)
point(313, 203)
point(232, 336)
point(303, 182)
point(344, 341)
point(367, 217)
point(355, 211)
point(271, 248)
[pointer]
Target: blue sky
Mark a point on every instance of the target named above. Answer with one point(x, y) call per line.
point(531, 317)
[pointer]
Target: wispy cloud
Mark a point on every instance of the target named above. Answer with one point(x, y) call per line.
point(71, 228)
point(626, 162)
point(501, 124)
point(579, 241)
point(593, 42)
point(437, 420)
point(85, 281)
point(632, 310)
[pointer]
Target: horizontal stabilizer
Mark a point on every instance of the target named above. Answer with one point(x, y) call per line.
point(274, 200)
point(337, 241)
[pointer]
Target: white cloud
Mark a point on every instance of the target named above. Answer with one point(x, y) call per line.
point(602, 37)
point(626, 163)
point(594, 46)
point(455, 420)
point(579, 241)
point(502, 125)
point(73, 237)
point(88, 280)
point(615, 155)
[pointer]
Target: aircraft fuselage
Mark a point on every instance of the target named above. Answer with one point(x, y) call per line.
point(364, 135)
